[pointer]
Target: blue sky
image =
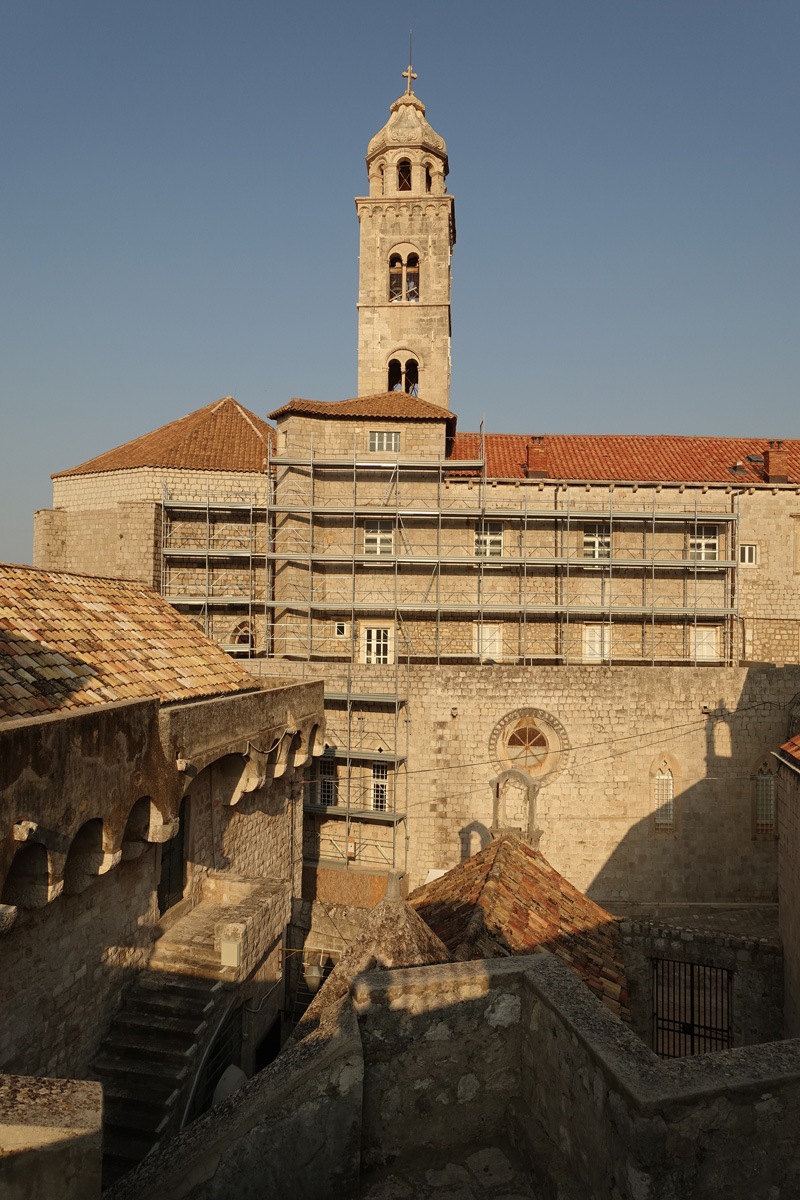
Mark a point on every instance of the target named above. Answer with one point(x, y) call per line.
point(178, 220)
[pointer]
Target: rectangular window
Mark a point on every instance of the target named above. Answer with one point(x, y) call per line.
point(704, 543)
point(341, 630)
point(703, 644)
point(596, 541)
point(489, 539)
point(328, 783)
point(487, 641)
point(765, 803)
point(383, 439)
point(664, 797)
point(376, 645)
point(379, 537)
point(380, 786)
point(596, 643)
point(748, 554)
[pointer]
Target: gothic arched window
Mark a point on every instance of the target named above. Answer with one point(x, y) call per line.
point(404, 175)
point(412, 377)
point(764, 800)
point(403, 277)
point(404, 377)
point(664, 800)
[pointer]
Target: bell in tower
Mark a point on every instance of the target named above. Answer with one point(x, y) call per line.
point(408, 232)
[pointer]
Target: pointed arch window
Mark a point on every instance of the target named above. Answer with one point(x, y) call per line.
point(404, 376)
point(404, 175)
point(428, 180)
point(664, 801)
point(403, 278)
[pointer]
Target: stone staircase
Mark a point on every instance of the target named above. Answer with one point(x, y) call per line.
point(146, 1061)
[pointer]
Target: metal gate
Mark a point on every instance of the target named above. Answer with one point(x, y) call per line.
point(691, 1008)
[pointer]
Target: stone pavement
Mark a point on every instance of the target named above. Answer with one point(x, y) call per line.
point(465, 1173)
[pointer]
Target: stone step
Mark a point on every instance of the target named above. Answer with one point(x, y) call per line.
point(148, 1119)
point(162, 983)
point(114, 1168)
point(170, 1003)
point(159, 1024)
point(158, 1048)
point(164, 1075)
point(121, 1153)
point(149, 1091)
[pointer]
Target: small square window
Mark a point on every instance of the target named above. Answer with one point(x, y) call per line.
point(748, 554)
point(384, 439)
point(340, 629)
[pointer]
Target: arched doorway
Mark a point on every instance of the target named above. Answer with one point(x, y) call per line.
point(172, 880)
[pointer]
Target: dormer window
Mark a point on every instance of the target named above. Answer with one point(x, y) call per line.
point(404, 175)
point(403, 278)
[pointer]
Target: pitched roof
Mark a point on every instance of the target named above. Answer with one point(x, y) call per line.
point(392, 935)
point(657, 458)
point(223, 436)
point(71, 641)
point(507, 899)
point(792, 748)
point(383, 406)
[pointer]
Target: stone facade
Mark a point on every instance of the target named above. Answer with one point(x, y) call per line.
point(788, 805)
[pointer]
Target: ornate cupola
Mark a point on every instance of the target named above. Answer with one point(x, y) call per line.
point(407, 235)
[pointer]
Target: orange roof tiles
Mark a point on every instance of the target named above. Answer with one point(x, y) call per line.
point(656, 458)
point(507, 899)
point(792, 748)
point(71, 641)
point(383, 406)
point(223, 436)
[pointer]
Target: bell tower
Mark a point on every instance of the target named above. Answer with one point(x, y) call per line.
point(408, 231)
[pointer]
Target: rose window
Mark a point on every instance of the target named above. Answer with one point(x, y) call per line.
point(526, 745)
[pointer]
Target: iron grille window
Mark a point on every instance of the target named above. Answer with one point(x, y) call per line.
point(664, 821)
point(383, 439)
point(596, 541)
point(378, 537)
point(328, 783)
point(380, 786)
point(704, 543)
point(376, 645)
point(691, 1008)
point(765, 802)
point(489, 539)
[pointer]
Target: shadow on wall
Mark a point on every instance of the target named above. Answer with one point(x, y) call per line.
point(474, 838)
point(711, 839)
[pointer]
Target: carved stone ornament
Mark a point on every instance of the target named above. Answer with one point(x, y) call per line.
point(531, 740)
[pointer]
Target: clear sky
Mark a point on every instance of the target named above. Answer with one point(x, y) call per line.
point(178, 220)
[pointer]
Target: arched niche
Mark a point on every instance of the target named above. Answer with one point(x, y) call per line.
point(136, 838)
point(27, 884)
point(87, 857)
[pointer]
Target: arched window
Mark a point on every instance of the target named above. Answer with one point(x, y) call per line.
point(404, 175)
point(428, 179)
point(664, 801)
point(404, 377)
point(403, 278)
point(764, 801)
point(382, 177)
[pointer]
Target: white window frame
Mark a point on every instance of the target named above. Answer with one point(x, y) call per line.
point(487, 640)
point(489, 539)
point(704, 645)
point(703, 543)
point(597, 643)
point(377, 646)
point(384, 441)
point(597, 541)
point(341, 629)
point(379, 792)
point(379, 538)
point(748, 554)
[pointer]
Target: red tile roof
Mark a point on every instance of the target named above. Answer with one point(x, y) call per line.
point(384, 406)
point(792, 748)
point(70, 641)
point(507, 899)
point(223, 436)
point(659, 458)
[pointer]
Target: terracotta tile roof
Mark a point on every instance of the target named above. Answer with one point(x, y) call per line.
point(644, 459)
point(223, 436)
point(507, 899)
point(792, 748)
point(69, 641)
point(384, 406)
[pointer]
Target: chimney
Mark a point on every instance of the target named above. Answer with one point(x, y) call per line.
point(775, 463)
point(535, 459)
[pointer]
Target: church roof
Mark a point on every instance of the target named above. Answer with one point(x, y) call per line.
point(72, 641)
point(507, 899)
point(382, 406)
point(656, 458)
point(407, 126)
point(792, 748)
point(223, 436)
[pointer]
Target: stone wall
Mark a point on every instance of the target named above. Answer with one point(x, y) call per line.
point(756, 967)
point(788, 810)
point(50, 1139)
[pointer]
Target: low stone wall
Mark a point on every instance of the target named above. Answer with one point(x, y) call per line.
point(756, 967)
point(293, 1130)
point(50, 1139)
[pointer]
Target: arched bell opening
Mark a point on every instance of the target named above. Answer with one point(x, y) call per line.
point(404, 175)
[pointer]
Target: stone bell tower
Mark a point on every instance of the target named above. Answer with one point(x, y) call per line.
point(408, 231)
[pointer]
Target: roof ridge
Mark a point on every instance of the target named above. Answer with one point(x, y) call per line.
point(244, 413)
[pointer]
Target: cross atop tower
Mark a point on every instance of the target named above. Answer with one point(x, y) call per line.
point(409, 74)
